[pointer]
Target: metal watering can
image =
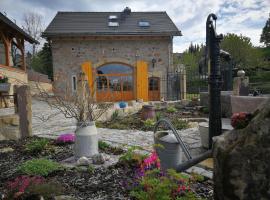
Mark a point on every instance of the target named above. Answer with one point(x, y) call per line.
point(171, 148)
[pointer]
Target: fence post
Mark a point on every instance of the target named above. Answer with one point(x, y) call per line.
point(183, 84)
point(24, 102)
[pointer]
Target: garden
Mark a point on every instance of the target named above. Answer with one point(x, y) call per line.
point(178, 114)
point(33, 168)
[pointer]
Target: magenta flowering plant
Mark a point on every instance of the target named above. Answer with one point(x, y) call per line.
point(21, 183)
point(151, 162)
point(66, 138)
point(151, 182)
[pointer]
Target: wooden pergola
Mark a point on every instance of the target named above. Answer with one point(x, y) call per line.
point(11, 34)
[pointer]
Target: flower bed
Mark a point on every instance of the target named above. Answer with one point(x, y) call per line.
point(124, 180)
point(133, 121)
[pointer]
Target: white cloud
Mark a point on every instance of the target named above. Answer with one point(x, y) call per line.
point(246, 17)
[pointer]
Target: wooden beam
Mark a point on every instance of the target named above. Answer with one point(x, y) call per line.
point(19, 43)
point(7, 43)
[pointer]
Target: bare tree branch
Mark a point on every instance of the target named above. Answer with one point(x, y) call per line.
point(32, 24)
point(80, 104)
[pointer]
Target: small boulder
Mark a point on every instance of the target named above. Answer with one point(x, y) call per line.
point(83, 161)
point(98, 159)
point(64, 197)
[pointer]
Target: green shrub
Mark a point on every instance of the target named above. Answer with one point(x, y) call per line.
point(103, 145)
point(41, 167)
point(118, 125)
point(171, 109)
point(158, 116)
point(205, 110)
point(90, 169)
point(37, 146)
point(197, 177)
point(180, 124)
point(148, 124)
point(109, 149)
point(163, 186)
point(115, 115)
point(131, 156)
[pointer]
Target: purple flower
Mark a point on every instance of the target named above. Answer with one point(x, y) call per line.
point(66, 138)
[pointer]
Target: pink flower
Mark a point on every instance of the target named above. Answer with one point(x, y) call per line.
point(66, 138)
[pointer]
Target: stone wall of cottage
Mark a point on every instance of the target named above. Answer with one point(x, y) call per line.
point(69, 54)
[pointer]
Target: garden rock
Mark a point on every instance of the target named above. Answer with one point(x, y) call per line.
point(98, 159)
point(6, 150)
point(63, 197)
point(241, 160)
point(83, 161)
point(106, 157)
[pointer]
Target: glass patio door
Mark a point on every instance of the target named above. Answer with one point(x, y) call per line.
point(115, 83)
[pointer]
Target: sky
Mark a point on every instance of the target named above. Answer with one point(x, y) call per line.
point(246, 17)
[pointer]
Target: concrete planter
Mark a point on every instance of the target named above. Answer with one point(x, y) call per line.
point(4, 87)
point(204, 131)
point(86, 140)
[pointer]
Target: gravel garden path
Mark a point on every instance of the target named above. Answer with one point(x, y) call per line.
point(48, 122)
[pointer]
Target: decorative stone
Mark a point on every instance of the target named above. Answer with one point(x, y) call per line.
point(64, 197)
point(106, 157)
point(186, 113)
point(83, 161)
point(241, 160)
point(241, 73)
point(98, 159)
point(6, 150)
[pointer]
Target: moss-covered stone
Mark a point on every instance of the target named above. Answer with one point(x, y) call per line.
point(241, 160)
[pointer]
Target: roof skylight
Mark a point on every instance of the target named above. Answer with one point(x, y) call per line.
point(113, 24)
point(144, 24)
point(112, 17)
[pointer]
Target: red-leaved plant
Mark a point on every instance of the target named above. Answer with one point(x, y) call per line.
point(240, 120)
point(21, 183)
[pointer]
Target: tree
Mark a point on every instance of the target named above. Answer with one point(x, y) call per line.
point(244, 55)
point(42, 61)
point(265, 36)
point(32, 24)
point(192, 56)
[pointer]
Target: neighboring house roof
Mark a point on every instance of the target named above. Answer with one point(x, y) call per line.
point(96, 23)
point(9, 23)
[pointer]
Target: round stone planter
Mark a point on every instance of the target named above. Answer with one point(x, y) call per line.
point(86, 140)
point(4, 87)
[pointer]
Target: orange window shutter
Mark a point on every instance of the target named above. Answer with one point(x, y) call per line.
point(87, 69)
point(142, 80)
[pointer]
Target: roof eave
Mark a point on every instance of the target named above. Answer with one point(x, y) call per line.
point(14, 26)
point(48, 34)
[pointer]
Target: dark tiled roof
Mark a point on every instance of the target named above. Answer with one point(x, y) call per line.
point(12, 25)
point(96, 23)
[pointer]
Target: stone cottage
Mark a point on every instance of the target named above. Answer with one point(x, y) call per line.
point(124, 54)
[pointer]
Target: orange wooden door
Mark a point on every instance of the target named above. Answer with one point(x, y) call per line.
point(142, 80)
point(154, 89)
